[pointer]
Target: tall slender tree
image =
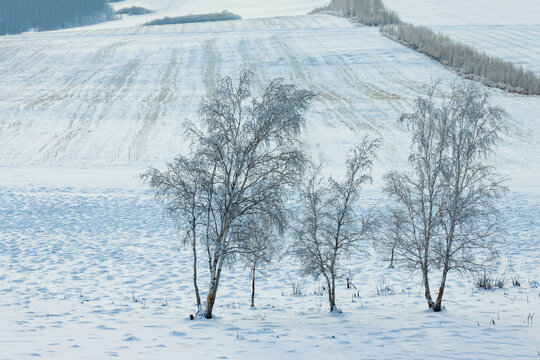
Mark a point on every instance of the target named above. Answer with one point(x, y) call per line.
point(329, 227)
point(261, 239)
point(180, 191)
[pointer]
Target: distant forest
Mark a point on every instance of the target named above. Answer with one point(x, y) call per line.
point(17, 16)
point(219, 16)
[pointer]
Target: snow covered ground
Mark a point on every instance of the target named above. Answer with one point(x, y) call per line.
point(507, 29)
point(95, 272)
point(88, 267)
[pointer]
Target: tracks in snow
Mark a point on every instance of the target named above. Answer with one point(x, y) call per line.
point(120, 96)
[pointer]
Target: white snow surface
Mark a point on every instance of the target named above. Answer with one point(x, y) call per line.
point(89, 268)
point(92, 273)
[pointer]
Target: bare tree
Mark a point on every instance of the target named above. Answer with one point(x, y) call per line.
point(470, 220)
point(389, 235)
point(255, 157)
point(179, 190)
point(260, 237)
point(444, 213)
point(246, 156)
point(329, 228)
point(417, 192)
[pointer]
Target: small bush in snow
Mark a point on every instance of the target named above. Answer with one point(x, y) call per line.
point(487, 281)
point(484, 281)
point(383, 288)
point(500, 281)
point(297, 286)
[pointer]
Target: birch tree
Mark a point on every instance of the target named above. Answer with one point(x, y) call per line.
point(255, 157)
point(470, 221)
point(329, 227)
point(179, 190)
point(444, 215)
point(247, 156)
point(261, 239)
point(389, 235)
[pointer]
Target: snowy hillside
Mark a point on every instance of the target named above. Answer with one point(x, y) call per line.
point(464, 12)
point(102, 97)
point(248, 9)
point(90, 268)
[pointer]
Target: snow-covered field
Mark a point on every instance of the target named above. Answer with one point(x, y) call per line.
point(88, 267)
point(119, 97)
point(248, 9)
point(507, 29)
point(91, 273)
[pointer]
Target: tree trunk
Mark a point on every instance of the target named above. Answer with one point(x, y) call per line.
point(330, 299)
point(427, 292)
point(333, 304)
point(210, 299)
point(253, 285)
point(449, 241)
point(392, 256)
point(438, 302)
point(212, 289)
point(195, 285)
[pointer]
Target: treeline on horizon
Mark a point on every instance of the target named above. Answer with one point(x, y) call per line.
point(17, 16)
point(218, 16)
point(466, 60)
point(368, 12)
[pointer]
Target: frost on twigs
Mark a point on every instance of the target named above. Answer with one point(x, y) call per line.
point(329, 228)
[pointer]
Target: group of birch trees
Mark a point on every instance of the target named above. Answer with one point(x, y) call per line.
point(247, 184)
point(444, 215)
point(231, 191)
